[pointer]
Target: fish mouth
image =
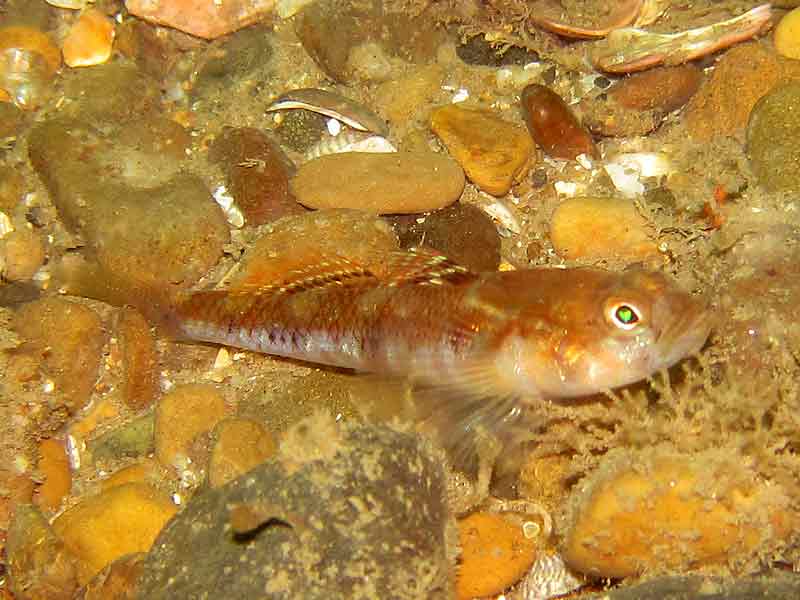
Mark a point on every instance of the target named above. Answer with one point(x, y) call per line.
point(685, 336)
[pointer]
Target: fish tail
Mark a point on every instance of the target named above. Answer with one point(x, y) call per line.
point(76, 276)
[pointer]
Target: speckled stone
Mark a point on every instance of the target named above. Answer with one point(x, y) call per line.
point(772, 139)
point(397, 182)
point(492, 151)
point(462, 232)
point(343, 511)
point(257, 173)
point(149, 213)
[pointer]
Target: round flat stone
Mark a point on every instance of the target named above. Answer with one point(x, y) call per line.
point(401, 182)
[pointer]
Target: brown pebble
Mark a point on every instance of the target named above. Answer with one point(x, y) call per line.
point(241, 444)
point(258, 174)
point(116, 582)
point(663, 89)
point(12, 184)
point(553, 125)
point(39, 565)
point(54, 469)
point(139, 361)
point(182, 415)
point(601, 228)
point(23, 253)
point(68, 338)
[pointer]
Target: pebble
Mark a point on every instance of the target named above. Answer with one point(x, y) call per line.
point(398, 182)
point(138, 357)
point(323, 500)
point(787, 35)
point(115, 582)
point(182, 415)
point(771, 584)
point(89, 40)
point(53, 468)
point(594, 229)
point(663, 511)
point(299, 241)
point(208, 20)
point(495, 554)
point(11, 120)
point(15, 489)
point(67, 338)
point(28, 62)
point(637, 104)
point(725, 100)
point(22, 253)
point(226, 64)
point(145, 471)
point(134, 438)
point(148, 214)
point(772, 134)
point(12, 185)
point(494, 153)
point(240, 445)
point(39, 565)
point(257, 174)
point(462, 232)
point(118, 521)
point(334, 35)
point(111, 93)
point(401, 98)
point(553, 125)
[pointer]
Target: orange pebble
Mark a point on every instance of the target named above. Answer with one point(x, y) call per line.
point(54, 467)
point(495, 554)
point(90, 40)
point(31, 40)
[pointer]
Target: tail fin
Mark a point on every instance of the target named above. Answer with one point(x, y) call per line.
point(77, 276)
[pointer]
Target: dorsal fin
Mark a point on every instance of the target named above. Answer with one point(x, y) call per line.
point(420, 266)
point(423, 266)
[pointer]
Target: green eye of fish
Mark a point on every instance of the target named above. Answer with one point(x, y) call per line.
point(624, 316)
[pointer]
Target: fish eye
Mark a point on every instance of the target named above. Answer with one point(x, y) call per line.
point(623, 315)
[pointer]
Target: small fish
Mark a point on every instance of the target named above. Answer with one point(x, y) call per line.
point(497, 340)
point(349, 141)
point(332, 105)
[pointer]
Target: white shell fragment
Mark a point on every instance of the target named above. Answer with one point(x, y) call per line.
point(349, 141)
point(548, 578)
point(6, 226)
point(226, 202)
point(333, 105)
point(627, 170)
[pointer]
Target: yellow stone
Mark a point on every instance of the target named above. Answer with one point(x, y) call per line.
point(601, 228)
point(139, 472)
point(54, 469)
point(492, 152)
point(181, 416)
point(672, 512)
point(90, 40)
point(495, 554)
point(241, 444)
point(118, 521)
point(787, 35)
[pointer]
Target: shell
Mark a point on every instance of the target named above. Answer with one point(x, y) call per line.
point(28, 62)
point(333, 105)
point(549, 577)
point(349, 141)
